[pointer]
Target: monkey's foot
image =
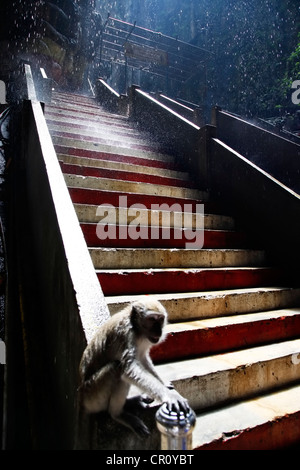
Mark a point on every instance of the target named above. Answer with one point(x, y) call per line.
point(134, 423)
point(146, 400)
point(141, 401)
point(140, 429)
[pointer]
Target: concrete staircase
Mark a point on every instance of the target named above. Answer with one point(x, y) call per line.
point(233, 347)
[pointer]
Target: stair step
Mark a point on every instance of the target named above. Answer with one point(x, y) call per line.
point(268, 422)
point(116, 157)
point(155, 281)
point(171, 238)
point(201, 305)
point(137, 258)
point(111, 149)
point(115, 125)
point(108, 132)
point(77, 99)
point(87, 113)
point(123, 175)
point(121, 199)
point(87, 108)
point(106, 140)
point(140, 216)
point(133, 187)
point(221, 334)
point(127, 167)
point(82, 107)
point(74, 99)
point(100, 127)
point(223, 378)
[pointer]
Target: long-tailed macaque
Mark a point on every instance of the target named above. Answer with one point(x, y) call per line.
point(118, 357)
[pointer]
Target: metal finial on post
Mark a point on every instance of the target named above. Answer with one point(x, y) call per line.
point(176, 428)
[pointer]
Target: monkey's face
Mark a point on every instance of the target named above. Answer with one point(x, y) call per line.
point(148, 322)
point(153, 325)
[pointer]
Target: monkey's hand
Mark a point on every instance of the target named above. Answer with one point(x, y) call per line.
point(175, 402)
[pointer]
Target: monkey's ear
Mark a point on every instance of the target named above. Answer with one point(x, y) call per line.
point(137, 312)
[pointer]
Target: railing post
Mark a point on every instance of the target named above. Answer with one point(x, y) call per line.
point(198, 117)
point(200, 165)
point(110, 99)
point(214, 115)
point(123, 105)
point(30, 88)
point(44, 87)
point(133, 111)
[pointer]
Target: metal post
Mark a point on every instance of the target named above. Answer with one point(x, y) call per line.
point(176, 428)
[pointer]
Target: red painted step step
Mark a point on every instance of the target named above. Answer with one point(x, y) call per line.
point(202, 338)
point(88, 112)
point(115, 129)
point(123, 158)
point(115, 198)
point(156, 281)
point(124, 175)
point(282, 433)
point(112, 140)
point(176, 239)
point(68, 115)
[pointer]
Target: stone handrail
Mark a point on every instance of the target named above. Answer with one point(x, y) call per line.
point(62, 303)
